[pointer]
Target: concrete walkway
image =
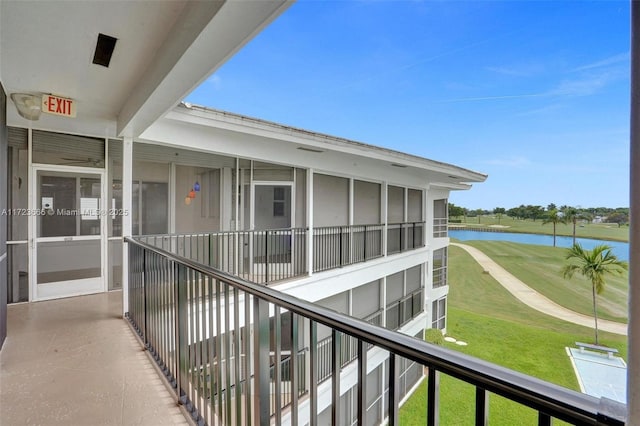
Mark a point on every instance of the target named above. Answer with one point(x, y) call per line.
point(75, 361)
point(535, 300)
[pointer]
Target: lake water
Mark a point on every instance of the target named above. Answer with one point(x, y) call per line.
point(621, 250)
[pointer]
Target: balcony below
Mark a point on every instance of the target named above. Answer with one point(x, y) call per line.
point(267, 256)
point(75, 361)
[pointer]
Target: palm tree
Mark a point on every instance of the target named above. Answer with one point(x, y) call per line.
point(572, 215)
point(594, 265)
point(555, 218)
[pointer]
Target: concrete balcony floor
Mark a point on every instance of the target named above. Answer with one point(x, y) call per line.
point(75, 361)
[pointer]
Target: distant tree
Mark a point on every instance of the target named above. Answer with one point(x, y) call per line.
point(572, 215)
point(515, 212)
point(499, 211)
point(594, 265)
point(555, 218)
point(551, 207)
point(456, 211)
point(535, 212)
point(618, 218)
point(479, 213)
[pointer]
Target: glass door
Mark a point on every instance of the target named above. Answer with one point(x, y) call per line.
point(69, 224)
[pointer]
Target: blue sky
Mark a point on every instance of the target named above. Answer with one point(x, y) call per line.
point(534, 94)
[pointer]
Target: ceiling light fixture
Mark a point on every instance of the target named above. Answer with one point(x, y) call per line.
point(29, 106)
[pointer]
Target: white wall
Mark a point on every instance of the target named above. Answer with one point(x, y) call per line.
point(150, 172)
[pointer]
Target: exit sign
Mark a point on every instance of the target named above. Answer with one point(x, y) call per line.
point(56, 105)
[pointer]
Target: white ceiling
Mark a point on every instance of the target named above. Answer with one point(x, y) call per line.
point(164, 50)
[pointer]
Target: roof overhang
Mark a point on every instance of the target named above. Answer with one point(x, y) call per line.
point(240, 136)
point(164, 50)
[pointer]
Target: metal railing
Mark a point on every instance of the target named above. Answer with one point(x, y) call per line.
point(440, 227)
point(271, 255)
point(192, 317)
point(337, 246)
point(404, 310)
point(349, 349)
point(259, 256)
point(404, 236)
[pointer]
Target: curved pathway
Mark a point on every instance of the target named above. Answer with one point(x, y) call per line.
point(535, 300)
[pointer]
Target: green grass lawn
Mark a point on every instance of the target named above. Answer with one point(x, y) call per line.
point(502, 330)
point(539, 268)
point(602, 231)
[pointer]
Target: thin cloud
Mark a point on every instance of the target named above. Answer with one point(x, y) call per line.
point(612, 60)
point(584, 86)
point(523, 70)
point(215, 82)
point(541, 111)
point(493, 98)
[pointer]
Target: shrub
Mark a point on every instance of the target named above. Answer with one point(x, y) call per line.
point(433, 335)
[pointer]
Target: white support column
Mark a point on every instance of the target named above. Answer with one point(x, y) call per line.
point(226, 198)
point(172, 197)
point(310, 221)
point(427, 217)
point(31, 223)
point(633, 361)
point(351, 202)
point(405, 216)
point(383, 295)
point(384, 214)
point(251, 201)
point(127, 197)
point(236, 197)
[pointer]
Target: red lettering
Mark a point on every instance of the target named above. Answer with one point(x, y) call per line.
point(60, 106)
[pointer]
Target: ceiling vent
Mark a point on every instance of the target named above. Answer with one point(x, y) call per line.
point(104, 50)
point(305, 148)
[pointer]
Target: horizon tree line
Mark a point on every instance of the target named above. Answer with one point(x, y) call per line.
point(570, 214)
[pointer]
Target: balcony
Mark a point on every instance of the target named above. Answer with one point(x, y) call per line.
point(75, 361)
point(267, 256)
point(224, 345)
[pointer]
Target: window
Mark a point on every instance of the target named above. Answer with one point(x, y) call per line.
point(439, 313)
point(440, 218)
point(440, 267)
point(278, 201)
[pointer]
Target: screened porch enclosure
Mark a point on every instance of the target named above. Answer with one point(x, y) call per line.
point(247, 217)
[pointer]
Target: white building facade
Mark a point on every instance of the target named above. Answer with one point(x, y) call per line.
point(92, 152)
point(356, 228)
